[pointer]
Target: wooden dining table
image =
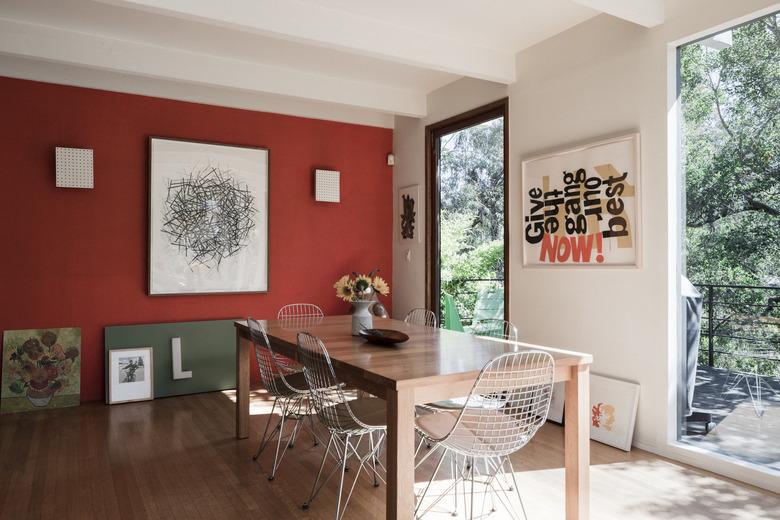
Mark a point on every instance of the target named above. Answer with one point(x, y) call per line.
point(434, 364)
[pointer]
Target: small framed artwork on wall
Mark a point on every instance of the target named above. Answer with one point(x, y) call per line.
point(409, 209)
point(208, 218)
point(130, 375)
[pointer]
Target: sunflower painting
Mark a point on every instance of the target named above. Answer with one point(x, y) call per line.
point(41, 369)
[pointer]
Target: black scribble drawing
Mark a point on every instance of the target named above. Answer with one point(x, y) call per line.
point(208, 216)
point(408, 217)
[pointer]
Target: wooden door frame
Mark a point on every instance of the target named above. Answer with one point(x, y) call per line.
point(433, 132)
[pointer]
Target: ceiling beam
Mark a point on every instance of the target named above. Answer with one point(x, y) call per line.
point(319, 25)
point(98, 52)
point(648, 13)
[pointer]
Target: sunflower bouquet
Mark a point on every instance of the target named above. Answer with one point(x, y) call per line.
point(361, 287)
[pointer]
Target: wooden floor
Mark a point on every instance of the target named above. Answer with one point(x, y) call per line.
point(177, 458)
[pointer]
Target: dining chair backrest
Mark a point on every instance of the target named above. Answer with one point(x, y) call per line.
point(494, 328)
point(422, 317)
point(326, 390)
point(522, 382)
point(299, 310)
point(272, 365)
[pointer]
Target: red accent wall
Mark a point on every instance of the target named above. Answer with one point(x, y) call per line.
point(72, 257)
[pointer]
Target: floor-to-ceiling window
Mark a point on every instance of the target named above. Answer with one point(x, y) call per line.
point(467, 192)
point(730, 97)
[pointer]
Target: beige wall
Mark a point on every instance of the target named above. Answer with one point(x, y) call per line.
point(602, 78)
point(409, 150)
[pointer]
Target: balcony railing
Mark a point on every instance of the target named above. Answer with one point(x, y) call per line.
point(740, 328)
point(465, 292)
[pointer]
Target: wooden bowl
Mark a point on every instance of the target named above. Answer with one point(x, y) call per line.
point(385, 337)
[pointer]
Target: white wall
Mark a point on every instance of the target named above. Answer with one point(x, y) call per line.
point(601, 78)
point(409, 149)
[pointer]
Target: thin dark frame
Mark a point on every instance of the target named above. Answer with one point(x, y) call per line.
point(149, 217)
point(433, 134)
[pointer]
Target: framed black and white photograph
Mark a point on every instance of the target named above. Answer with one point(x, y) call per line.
point(208, 221)
point(130, 375)
point(409, 211)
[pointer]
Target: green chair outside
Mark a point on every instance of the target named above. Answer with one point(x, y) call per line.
point(451, 315)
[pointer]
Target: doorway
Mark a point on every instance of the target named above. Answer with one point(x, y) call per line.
point(467, 243)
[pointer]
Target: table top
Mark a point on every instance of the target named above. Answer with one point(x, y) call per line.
point(431, 355)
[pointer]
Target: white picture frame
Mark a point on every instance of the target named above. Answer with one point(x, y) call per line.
point(130, 375)
point(409, 214)
point(208, 218)
point(613, 407)
point(581, 183)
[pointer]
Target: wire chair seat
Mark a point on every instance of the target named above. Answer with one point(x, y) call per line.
point(439, 425)
point(299, 310)
point(495, 328)
point(489, 328)
point(284, 379)
point(348, 421)
point(482, 434)
point(422, 317)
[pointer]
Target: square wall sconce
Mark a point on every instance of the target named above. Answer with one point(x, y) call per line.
point(74, 168)
point(327, 186)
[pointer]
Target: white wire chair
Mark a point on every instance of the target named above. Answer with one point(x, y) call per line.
point(487, 435)
point(299, 310)
point(299, 316)
point(422, 317)
point(492, 328)
point(495, 328)
point(348, 422)
point(283, 378)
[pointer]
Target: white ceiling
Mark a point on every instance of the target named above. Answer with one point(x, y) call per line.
point(375, 55)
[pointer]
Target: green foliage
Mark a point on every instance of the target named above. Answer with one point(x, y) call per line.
point(731, 133)
point(471, 168)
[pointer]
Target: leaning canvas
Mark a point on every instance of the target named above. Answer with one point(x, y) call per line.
point(613, 406)
point(41, 369)
point(208, 221)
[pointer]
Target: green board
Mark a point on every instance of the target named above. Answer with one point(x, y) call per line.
point(208, 349)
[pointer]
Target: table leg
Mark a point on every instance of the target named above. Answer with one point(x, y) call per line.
point(577, 444)
point(400, 455)
point(243, 349)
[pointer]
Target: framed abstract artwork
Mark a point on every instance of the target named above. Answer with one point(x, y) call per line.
point(613, 406)
point(208, 218)
point(41, 369)
point(130, 375)
point(581, 206)
point(409, 209)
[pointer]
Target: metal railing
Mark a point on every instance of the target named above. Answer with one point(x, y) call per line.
point(740, 327)
point(465, 291)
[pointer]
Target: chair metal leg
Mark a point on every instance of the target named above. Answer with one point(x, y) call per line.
point(277, 459)
point(265, 432)
point(374, 457)
point(314, 489)
point(514, 480)
point(470, 466)
point(341, 479)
